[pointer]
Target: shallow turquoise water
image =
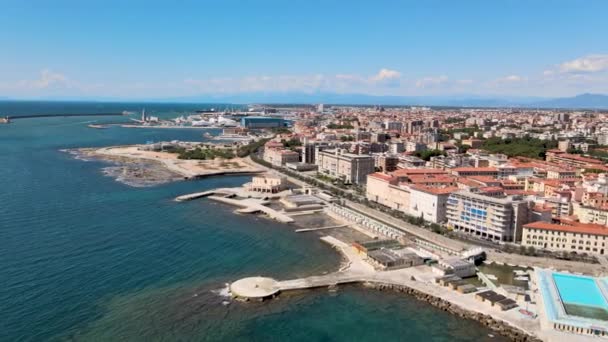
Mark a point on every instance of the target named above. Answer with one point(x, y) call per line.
point(84, 257)
point(579, 290)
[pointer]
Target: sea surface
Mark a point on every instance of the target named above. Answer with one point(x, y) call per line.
point(86, 258)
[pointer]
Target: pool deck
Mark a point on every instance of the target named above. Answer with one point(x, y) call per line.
point(553, 311)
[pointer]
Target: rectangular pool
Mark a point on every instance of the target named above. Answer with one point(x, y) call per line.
point(579, 290)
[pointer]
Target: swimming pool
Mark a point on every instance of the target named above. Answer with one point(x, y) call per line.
point(577, 290)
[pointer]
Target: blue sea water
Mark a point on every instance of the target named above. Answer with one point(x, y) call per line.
point(86, 258)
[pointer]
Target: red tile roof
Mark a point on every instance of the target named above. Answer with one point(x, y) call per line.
point(382, 176)
point(407, 172)
point(580, 228)
point(475, 169)
point(435, 190)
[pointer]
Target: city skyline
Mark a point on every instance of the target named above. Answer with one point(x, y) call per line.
point(146, 51)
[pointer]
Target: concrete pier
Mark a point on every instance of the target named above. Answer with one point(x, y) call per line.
point(257, 288)
point(252, 205)
point(193, 196)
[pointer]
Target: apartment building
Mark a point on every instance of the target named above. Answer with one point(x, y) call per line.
point(351, 168)
point(280, 157)
point(587, 214)
point(429, 203)
point(571, 160)
point(575, 237)
point(498, 219)
point(474, 171)
point(420, 200)
point(384, 189)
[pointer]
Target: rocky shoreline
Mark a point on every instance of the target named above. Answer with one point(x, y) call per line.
point(131, 172)
point(488, 321)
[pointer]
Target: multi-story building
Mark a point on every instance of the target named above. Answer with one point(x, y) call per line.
point(279, 157)
point(564, 145)
point(572, 160)
point(587, 214)
point(414, 146)
point(406, 162)
point(310, 150)
point(393, 125)
point(475, 171)
point(259, 122)
point(561, 173)
point(575, 237)
point(498, 219)
point(351, 168)
point(602, 139)
point(388, 163)
point(429, 203)
point(384, 189)
point(396, 147)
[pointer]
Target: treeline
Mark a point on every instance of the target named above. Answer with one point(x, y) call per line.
point(427, 154)
point(251, 148)
point(205, 154)
point(523, 147)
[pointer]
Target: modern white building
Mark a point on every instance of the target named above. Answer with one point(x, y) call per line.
point(494, 218)
point(429, 203)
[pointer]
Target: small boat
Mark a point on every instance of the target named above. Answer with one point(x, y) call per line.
point(521, 278)
point(491, 277)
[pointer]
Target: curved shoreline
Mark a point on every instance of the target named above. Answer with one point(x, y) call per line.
point(409, 282)
point(503, 328)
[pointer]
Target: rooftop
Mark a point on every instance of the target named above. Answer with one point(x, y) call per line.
point(575, 227)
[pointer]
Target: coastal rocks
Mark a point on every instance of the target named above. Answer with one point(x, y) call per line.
point(498, 326)
point(132, 172)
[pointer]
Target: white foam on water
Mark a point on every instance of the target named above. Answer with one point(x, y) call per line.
point(223, 292)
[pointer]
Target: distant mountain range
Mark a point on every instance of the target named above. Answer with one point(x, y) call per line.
point(583, 101)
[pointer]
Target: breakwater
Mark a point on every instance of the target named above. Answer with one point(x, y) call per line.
point(493, 324)
point(32, 116)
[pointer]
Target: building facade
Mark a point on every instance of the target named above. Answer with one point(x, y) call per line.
point(351, 168)
point(280, 157)
point(579, 237)
point(497, 219)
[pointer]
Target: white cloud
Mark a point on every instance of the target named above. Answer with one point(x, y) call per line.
point(431, 81)
point(47, 79)
point(465, 82)
point(386, 75)
point(304, 83)
point(511, 79)
point(587, 64)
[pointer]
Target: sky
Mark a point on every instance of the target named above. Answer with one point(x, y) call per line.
point(165, 49)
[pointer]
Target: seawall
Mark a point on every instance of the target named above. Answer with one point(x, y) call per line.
point(488, 321)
